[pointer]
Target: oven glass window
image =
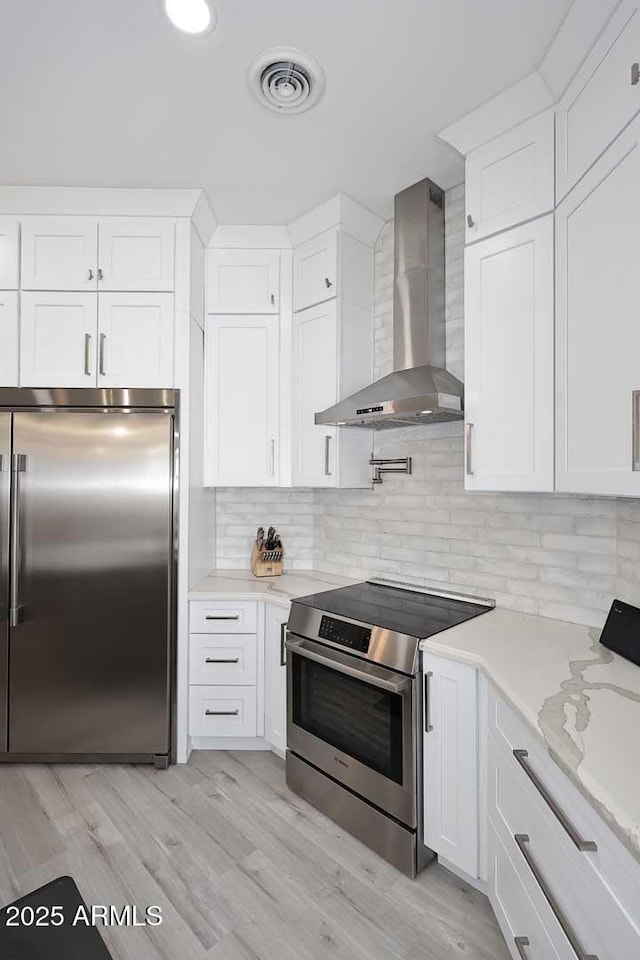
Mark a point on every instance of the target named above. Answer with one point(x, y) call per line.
point(361, 720)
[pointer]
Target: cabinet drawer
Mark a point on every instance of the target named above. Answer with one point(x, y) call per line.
point(223, 658)
point(521, 925)
point(553, 866)
point(223, 616)
point(223, 711)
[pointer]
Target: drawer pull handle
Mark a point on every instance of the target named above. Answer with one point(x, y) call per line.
point(470, 221)
point(635, 74)
point(221, 713)
point(523, 840)
point(521, 943)
point(635, 428)
point(584, 845)
point(231, 660)
point(210, 616)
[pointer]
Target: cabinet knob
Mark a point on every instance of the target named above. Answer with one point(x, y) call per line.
point(470, 221)
point(635, 74)
point(327, 282)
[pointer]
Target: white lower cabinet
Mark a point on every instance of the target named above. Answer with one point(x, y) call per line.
point(275, 700)
point(451, 761)
point(561, 884)
point(237, 674)
point(9, 360)
point(58, 339)
point(522, 928)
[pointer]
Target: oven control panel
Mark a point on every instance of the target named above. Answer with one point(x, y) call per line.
point(350, 635)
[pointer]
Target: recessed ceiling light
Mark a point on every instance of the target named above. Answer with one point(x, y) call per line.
point(191, 16)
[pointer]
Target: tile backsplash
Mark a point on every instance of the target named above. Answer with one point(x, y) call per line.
point(551, 554)
point(240, 511)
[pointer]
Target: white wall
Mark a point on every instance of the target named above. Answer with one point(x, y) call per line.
point(551, 554)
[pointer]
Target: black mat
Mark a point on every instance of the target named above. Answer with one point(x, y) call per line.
point(64, 942)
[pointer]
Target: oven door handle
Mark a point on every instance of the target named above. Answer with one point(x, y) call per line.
point(364, 673)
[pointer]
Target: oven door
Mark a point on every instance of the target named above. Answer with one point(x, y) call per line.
point(354, 720)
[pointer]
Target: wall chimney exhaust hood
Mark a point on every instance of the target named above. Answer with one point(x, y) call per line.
point(420, 390)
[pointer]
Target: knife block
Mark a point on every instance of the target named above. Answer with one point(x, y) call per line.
point(261, 567)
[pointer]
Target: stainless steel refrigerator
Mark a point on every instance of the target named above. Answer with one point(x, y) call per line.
point(87, 564)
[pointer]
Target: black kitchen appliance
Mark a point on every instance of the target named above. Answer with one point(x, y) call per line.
point(622, 631)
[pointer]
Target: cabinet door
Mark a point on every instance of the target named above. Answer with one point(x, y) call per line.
point(8, 338)
point(58, 339)
point(242, 401)
point(509, 360)
point(243, 281)
point(598, 332)
point(315, 387)
point(9, 243)
point(276, 678)
point(135, 340)
point(601, 99)
point(315, 270)
point(510, 179)
point(451, 761)
point(136, 253)
point(59, 253)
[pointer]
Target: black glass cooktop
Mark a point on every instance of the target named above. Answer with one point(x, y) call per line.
point(416, 614)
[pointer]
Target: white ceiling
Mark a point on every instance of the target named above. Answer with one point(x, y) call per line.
point(107, 93)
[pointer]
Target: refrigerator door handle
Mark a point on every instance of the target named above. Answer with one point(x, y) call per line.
point(16, 612)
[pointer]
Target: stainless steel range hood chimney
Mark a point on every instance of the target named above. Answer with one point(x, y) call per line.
point(419, 390)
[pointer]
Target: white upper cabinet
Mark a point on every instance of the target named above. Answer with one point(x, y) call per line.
point(242, 401)
point(58, 339)
point(59, 253)
point(315, 270)
point(450, 745)
point(9, 247)
point(601, 99)
point(331, 358)
point(135, 340)
point(78, 253)
point(315, 387)
point(509, 360)
point(243, 281)
point(598, 329)
point(136, 253)
point(9, 338)
point(510, 179)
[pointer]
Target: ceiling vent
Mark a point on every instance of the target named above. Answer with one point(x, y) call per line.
point(286, 81)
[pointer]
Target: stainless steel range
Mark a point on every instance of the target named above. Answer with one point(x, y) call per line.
point(354, 708)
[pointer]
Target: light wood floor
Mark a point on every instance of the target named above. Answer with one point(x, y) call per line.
point(243, 869)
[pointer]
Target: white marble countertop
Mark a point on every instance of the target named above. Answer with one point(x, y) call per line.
point(242, 585)
point(580, 699)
